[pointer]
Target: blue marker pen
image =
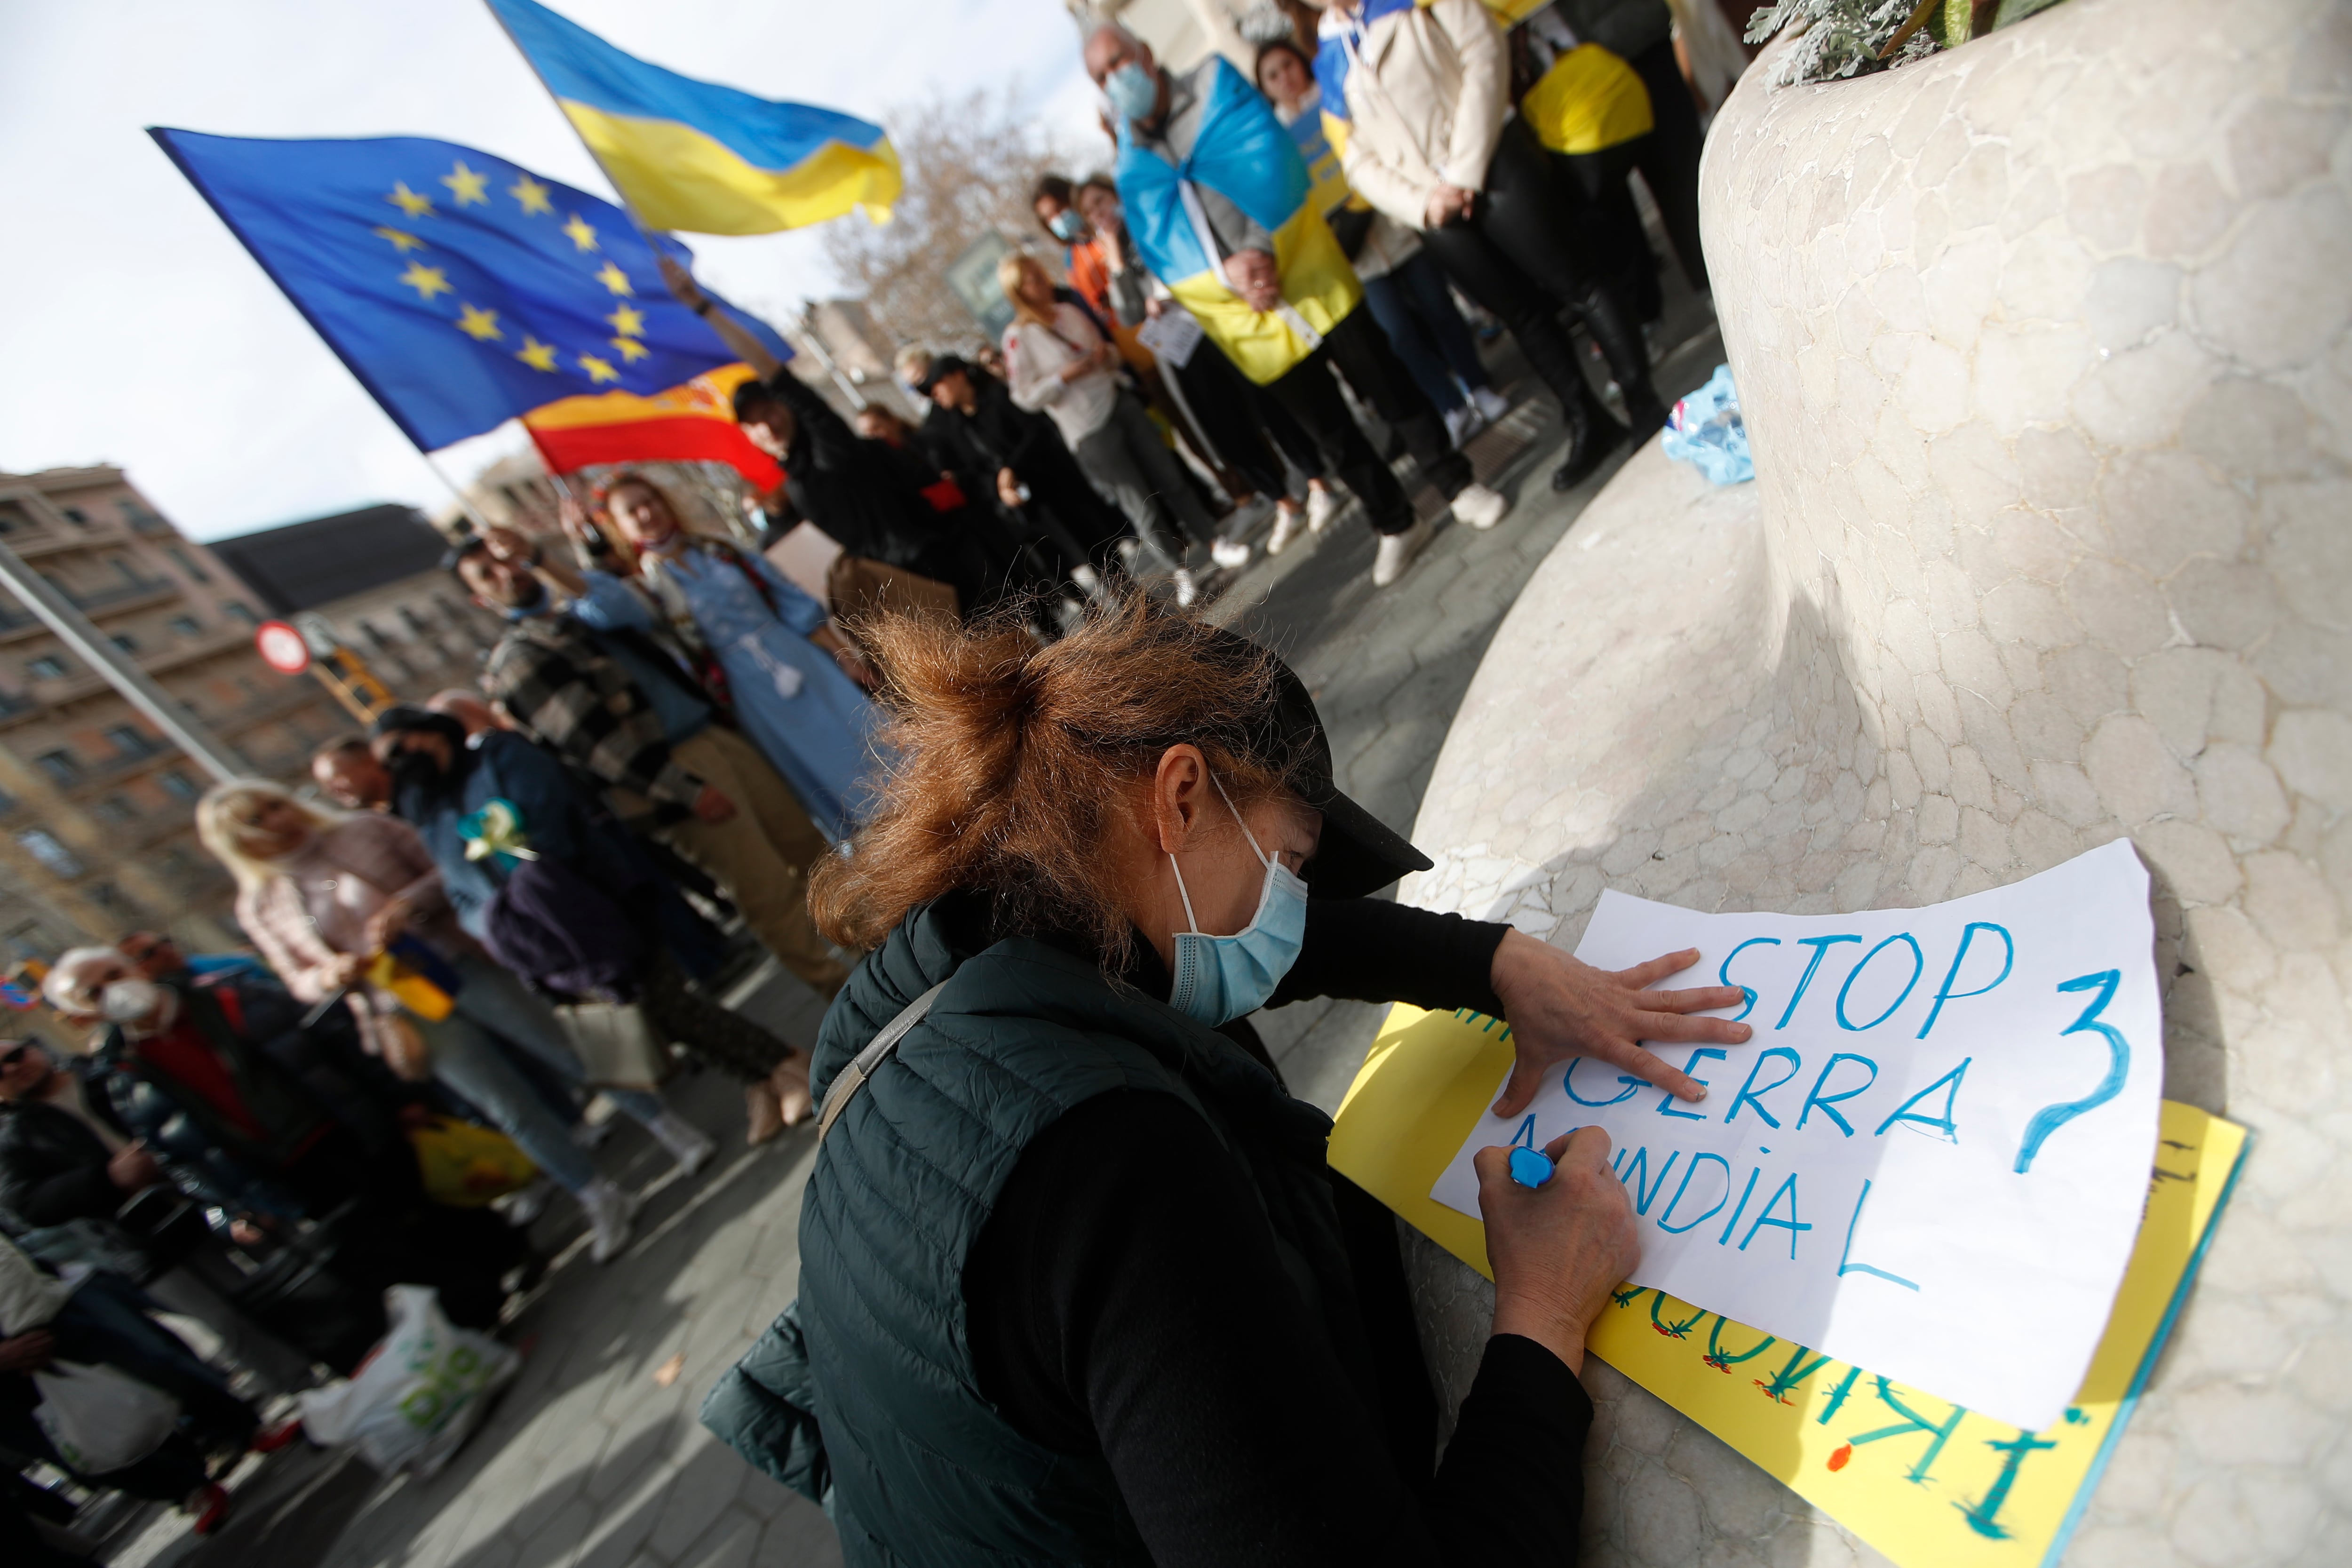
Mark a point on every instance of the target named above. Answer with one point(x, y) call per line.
point(1530, 1167)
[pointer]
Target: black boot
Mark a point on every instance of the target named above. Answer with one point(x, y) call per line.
point(1629, 358)
point(1592, 435)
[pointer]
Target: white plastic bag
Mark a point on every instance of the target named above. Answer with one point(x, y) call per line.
point(100, 1419)
point(419, 1393)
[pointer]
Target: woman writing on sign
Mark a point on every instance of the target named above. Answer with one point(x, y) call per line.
point(1127, 1312)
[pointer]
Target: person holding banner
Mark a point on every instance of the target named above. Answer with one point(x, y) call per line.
point(1424, 91)
point(1220, 204)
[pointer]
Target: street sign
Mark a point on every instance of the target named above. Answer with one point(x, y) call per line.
point(281, 648)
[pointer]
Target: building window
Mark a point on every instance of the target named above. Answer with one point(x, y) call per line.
point(124, 569)
point(75, 516)
point(60, 765)
point(55, 858)
point(237, 609)
point(115, 808)
point(187, 626)
point(49, 666)
point(124, 641)
point(188, 564)
point(179, 785)
point(8, 520)
point(8, 803)
point(130, 741)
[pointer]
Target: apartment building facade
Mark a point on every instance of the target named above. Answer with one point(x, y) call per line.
point(96, 828)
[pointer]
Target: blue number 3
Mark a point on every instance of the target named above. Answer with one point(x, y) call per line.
point(2050, 1117)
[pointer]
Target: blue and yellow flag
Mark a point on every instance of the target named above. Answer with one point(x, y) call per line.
point(461, 290)
point(1244, 154)
point(694, 155)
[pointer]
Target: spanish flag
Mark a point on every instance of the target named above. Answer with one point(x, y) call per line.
point(693, 156)
point(693, 422)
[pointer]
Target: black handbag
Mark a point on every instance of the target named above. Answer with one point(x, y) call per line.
point(166, 1224)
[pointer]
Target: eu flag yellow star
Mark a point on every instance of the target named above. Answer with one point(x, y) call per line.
point(409, 202)
point(599, 371)
point(530, 195)
point(628, 320)
point(630, 350)
point(466, 186)
point(426, 281)
point(583, 238)
point(479, 324)
point(536, 354)
point(403, 243)
point(615, 280)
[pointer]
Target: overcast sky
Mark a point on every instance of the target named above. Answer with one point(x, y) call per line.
point(140, 332)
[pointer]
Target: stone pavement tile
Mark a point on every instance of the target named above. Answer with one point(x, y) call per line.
point(800, 1536)
point(705, 1480)
point(731, 1541)
point(555, 1541)
point(625, 1518)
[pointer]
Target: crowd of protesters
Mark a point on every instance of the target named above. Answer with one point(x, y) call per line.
point(485, 902)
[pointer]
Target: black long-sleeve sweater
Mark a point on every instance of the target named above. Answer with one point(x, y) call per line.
point(1128, 1299)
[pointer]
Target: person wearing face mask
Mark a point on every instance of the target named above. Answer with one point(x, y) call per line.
point(322, 894)
point(1424, 91)
point(764, 647)
point(1129, 1313)
point(1246, 429)
point(213, 1081)
point(1219, 201)
point(561, 896)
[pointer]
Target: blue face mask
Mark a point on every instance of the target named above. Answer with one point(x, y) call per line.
point(1133, 91)
point(1220, 978)
point(1067, 227)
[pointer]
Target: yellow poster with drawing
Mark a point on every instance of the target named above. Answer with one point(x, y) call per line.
point(1930, 1484)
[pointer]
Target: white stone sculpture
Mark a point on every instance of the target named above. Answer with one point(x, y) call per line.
point(2043, 347)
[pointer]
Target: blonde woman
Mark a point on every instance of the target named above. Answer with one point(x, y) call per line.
point(323, 893)
point(1058, 360)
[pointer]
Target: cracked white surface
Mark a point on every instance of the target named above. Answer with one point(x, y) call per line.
point(2043, 350)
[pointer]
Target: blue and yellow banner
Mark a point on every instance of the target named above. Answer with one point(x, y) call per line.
point(1244, 154)
point(694, 155)
point(461, 290)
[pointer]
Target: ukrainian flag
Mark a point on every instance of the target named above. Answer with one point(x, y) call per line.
point(1244, 154)
point(692, 155)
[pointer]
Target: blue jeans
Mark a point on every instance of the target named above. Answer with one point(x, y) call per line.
point(1413, 307)
point(495, 1013)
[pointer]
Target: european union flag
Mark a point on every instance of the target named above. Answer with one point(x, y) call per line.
point(461, 290)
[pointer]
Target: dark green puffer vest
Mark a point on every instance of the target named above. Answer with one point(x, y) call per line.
point(864, 1394)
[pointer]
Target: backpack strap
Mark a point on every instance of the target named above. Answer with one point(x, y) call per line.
point(861, 1068)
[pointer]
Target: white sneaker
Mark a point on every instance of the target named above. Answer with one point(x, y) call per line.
point(1288, 522)
point(1230, 553)
point(1462, 421)
point(1491, 404)
point(688, 1144)
point(1396, 551)
point(1479, 507)
point(1322, 506)
point(520, 1209)
point(1186, 592)
point(611, 1214)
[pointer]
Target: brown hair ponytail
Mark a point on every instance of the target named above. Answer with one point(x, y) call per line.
point(1017, 764)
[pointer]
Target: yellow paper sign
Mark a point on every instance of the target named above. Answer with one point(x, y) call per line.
point(1928, 1483)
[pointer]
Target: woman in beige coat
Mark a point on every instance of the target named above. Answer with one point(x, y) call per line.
point(1424, 93)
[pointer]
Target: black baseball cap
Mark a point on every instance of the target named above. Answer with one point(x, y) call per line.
point(1359, 853)
point(942, 367)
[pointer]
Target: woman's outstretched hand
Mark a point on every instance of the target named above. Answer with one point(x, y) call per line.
point(1558, 1249)
point(1559, 1007)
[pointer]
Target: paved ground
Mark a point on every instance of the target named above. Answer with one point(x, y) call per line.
point(593, 1459)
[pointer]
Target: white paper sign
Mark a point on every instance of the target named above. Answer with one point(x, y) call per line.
point(1171, 335)
point(1930, 1159)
